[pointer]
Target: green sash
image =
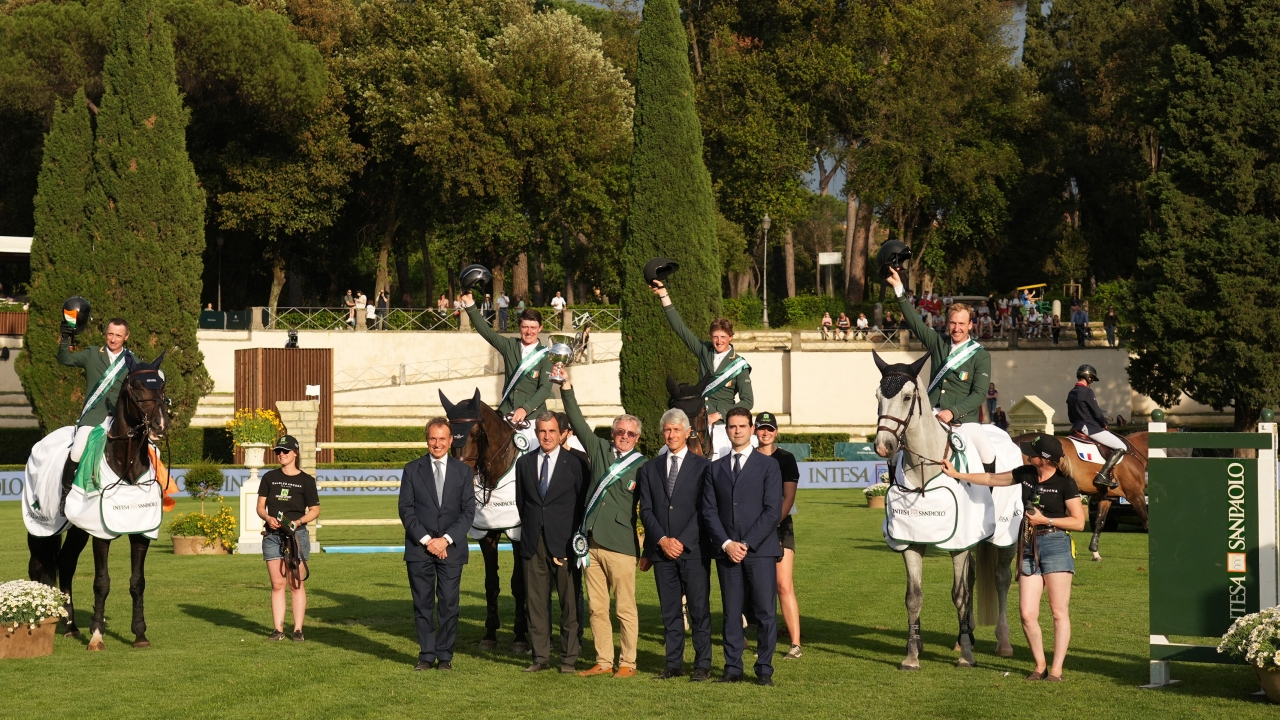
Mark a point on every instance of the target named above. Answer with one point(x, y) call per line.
point(616, 470)
point(530, 361)
point(104, 384)
point(738, 365)
point(955, 359)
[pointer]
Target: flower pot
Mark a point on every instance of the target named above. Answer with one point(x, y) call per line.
point(875, 501)
point(253, 454)
point(197, 545)
point(28, 643)
point(1270, 681)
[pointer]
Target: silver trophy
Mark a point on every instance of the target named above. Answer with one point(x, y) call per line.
point(566, 350)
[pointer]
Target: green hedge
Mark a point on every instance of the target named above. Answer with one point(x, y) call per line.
point(821, 445)
point(401, 433)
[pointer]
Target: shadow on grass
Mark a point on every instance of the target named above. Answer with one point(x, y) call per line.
point(325, 634)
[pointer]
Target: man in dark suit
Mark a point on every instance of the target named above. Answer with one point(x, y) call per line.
point(437, 504)
point(742, 505)
point(670, 496)
point(550, 484)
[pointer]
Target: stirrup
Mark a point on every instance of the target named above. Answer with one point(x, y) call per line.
point(1103, 481)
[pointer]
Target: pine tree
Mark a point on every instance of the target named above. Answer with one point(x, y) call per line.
point(149, 226)
point(672, 214)
point(61, 265)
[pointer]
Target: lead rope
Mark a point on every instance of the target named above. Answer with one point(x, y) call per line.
point(289, 569)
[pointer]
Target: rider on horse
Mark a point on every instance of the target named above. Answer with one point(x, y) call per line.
point(730, 375)
point(526, 366)
point(961, 370)
point(1088, 419)
point(105, 368)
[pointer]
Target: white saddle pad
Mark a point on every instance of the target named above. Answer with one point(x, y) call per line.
point(1087, 452)
point(42, 489)
point(1007, 501)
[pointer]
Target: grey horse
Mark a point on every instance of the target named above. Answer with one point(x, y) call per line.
point(906, 422)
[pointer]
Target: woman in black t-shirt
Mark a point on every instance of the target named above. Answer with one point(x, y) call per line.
point(287, 497)
point(767, 435)
point(1047, 560)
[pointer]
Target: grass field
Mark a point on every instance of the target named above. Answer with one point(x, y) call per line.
point(209, 617)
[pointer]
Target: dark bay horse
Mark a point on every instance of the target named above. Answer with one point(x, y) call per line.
point(485, 441)
point(689, 399)
point(141, 416)
point(1131, 474)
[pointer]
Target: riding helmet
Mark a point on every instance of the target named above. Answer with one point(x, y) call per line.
point(473, 275)
point(893, 254)
point(75, 312)
point(659, 269)
point(1087, 372)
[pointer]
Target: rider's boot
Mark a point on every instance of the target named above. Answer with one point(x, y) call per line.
point(989, 467)
point(68, 478)
point(1103, 479)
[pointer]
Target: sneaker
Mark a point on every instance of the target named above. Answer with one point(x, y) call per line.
point(276, 636)
point(795, 653)
point(297, 636)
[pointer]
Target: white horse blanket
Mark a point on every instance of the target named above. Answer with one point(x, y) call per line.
point(102, 506)
point(954, 515)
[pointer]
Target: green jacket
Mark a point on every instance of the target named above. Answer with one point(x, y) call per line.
point(95, 362)
point(613, 522)
point(532, 390)
point(737, 392)
point(964, 389)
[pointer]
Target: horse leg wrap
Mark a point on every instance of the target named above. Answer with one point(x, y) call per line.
point(1103, 478)
point(989, 467)
point(913, 638)
point(965, 630)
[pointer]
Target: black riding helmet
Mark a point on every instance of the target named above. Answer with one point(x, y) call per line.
point(1087, 373)
point(75, 313)
point(659, 269)
point(893, 254)
point(473, 275)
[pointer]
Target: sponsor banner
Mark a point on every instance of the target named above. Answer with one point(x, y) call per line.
point(840, 474)
point(11, 481)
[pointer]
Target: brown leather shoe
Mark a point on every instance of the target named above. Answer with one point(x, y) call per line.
point(596, 670)
point(625, 672)
point(537, 667)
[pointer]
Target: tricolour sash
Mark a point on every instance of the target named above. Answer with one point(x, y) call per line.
point(957, 357)
point(104, 384)
point(724, 376)
point(616, 470)
point(530, 361)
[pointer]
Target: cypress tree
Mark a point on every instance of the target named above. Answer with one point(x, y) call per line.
point(61, 265)
point(672, 214)
point(149, 224)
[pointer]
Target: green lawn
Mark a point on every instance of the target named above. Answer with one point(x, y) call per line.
point(209, 616)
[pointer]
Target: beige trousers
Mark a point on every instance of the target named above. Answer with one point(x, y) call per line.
point(614, 571)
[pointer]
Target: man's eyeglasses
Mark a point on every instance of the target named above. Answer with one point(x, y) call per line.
point(628, 434)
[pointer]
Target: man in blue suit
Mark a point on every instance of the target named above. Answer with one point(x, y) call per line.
point(742, 505)
point(670, 495)
point(437, 504)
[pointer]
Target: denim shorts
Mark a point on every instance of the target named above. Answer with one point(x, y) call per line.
point(271, 545)
point(1055, 555)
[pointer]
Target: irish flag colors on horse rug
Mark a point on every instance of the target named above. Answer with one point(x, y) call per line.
point(104, 505)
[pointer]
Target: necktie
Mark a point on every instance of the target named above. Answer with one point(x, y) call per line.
point(543, 481)
point(671, 476)
point(439, 482)
point(737, 465)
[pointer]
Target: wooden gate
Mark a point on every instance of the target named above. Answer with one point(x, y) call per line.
point(266, 375)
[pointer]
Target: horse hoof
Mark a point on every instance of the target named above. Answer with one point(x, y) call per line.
point(957, 648)
point(520, 648)
point(97, 646)
point(962, 663)
point(1097, 557)
point(142, 643)
point(1005, 651)
point(488, 644)
point(905, 666)
point(71, 633)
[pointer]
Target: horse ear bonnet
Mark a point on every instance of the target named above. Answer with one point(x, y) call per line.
point(892, 384)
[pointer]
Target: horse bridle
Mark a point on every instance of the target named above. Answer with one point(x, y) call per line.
point(900, 431)
point(143, 427)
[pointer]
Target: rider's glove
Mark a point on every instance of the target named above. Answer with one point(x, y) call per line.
point(67, 329)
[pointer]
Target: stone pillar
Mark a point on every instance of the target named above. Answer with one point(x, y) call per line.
point(255, 318)
point(361, 316)
point(566, 322)
point(300, 418)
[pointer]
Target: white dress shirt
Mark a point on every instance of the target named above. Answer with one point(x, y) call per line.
point(718, 358)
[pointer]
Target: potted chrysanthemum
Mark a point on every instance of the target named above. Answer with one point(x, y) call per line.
point(29, 614)
point(1255, 639)
point(253, 431)
point(875, 494)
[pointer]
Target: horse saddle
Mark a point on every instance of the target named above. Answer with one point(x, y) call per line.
point(1094, 446)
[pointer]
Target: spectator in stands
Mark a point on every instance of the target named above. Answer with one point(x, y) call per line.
point(1109, 324)
point(992, 396)
point(890, 323)
point(503, 303)
point(442, 305)
point(361, 302)
point(1079, 319)
point(519, 305)
point(1004, 306)
point(349, 302)
point(999, 419)
point(558, 305)
point(984, 326)
point(208, 306)
point(1006, 326)
point(825, 326)
point(1033, 321)
point(863, 325)
point(842, 327)
point(487, 309)
point(1055, 328)
point(384, 304)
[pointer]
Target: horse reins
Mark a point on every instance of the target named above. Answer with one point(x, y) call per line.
point(292, 560)
point(142, 428)
point(900, 431)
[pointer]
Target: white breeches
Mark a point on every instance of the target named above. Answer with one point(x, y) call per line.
point(720, 442)
point(82, 439)
point(975, 436)
point(1106, 437)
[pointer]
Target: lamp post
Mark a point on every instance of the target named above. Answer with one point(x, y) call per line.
point(219, 273)
point(764, 285)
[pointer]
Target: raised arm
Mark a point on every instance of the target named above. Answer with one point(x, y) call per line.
point(482, 326)
point(931, 339)
point(597, 448)
point(66, 357)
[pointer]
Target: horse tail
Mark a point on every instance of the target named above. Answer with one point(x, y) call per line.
point(988, 600)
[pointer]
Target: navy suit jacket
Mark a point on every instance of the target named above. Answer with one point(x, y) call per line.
point(557, 516)
point(747, 511)
point(678, 515)
point(422, 514)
